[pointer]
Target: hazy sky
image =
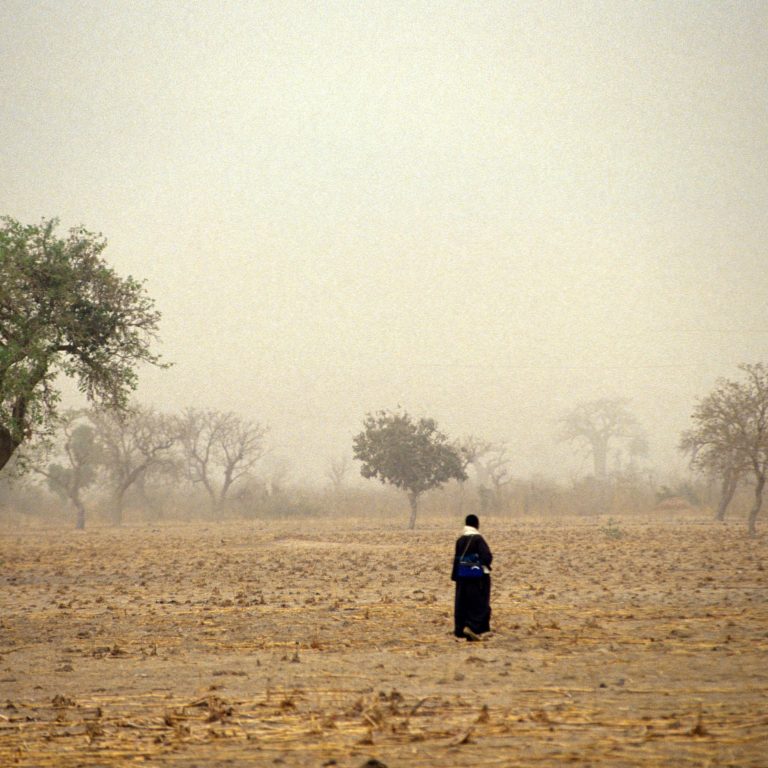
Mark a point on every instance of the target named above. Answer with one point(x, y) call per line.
point(483, 212)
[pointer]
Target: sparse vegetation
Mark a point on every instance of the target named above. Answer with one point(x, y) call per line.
point(134, 445)
point(612, 529)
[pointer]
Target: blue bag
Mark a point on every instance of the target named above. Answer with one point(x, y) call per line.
point(469, 566)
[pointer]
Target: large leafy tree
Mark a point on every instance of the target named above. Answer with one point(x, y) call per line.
point(64, 310)
point(730, 432)
point(411, 455)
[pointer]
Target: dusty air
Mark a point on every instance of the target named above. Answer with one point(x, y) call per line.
point(383, 384)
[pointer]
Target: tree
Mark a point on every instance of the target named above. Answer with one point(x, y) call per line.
point(134, 443)
point(64, 310)
point(219, 448)
point(597, 424)
point(336, 472)
point(470, 448)
point(498, 466)
point(411, 455)
point(730, 432)
point(718, 460)
point(491, 465)
point(79, 467)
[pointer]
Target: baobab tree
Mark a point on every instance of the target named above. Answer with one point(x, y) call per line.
point(597, 424)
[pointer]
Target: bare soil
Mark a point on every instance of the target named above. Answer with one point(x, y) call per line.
point(329, 643)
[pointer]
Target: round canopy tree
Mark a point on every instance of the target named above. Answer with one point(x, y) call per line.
point(63, 310)
point(411, 455)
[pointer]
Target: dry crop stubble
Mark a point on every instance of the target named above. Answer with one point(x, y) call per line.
point(304, 644)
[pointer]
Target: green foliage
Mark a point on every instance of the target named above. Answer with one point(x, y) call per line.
point(63, 309)
point(611, 530)
point(411, 455)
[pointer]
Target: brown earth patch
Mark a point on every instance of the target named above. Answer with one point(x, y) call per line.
point(243, 644)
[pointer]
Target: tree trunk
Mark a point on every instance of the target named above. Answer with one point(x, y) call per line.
point(757, 504)
point(9, 443)
point(7, 446)
point(211, 495)
point(413, 499)
point(80, 519)
point(225, 488)
point(726, 494)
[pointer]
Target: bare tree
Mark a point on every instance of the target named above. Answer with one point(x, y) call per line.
point(491, 466)
point(134, 443)
point(337, 471)
point(241, 444)
point(597, 424)
point(730, 433)
point(499, 472)
point(720, 463)
point(468, 448)
point(471, 448)
point(219, 448)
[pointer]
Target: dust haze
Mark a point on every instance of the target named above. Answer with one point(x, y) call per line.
point(484, 213)
point(480, 212)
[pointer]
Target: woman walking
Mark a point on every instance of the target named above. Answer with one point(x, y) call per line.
point(472, 574)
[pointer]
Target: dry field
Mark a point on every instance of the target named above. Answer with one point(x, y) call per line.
point(321, 644)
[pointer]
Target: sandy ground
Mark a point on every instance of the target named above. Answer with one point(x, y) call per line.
point(321, 644)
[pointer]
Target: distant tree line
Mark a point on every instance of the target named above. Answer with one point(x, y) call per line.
point(728, 442)
point(65, 311)
point(139, 447)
